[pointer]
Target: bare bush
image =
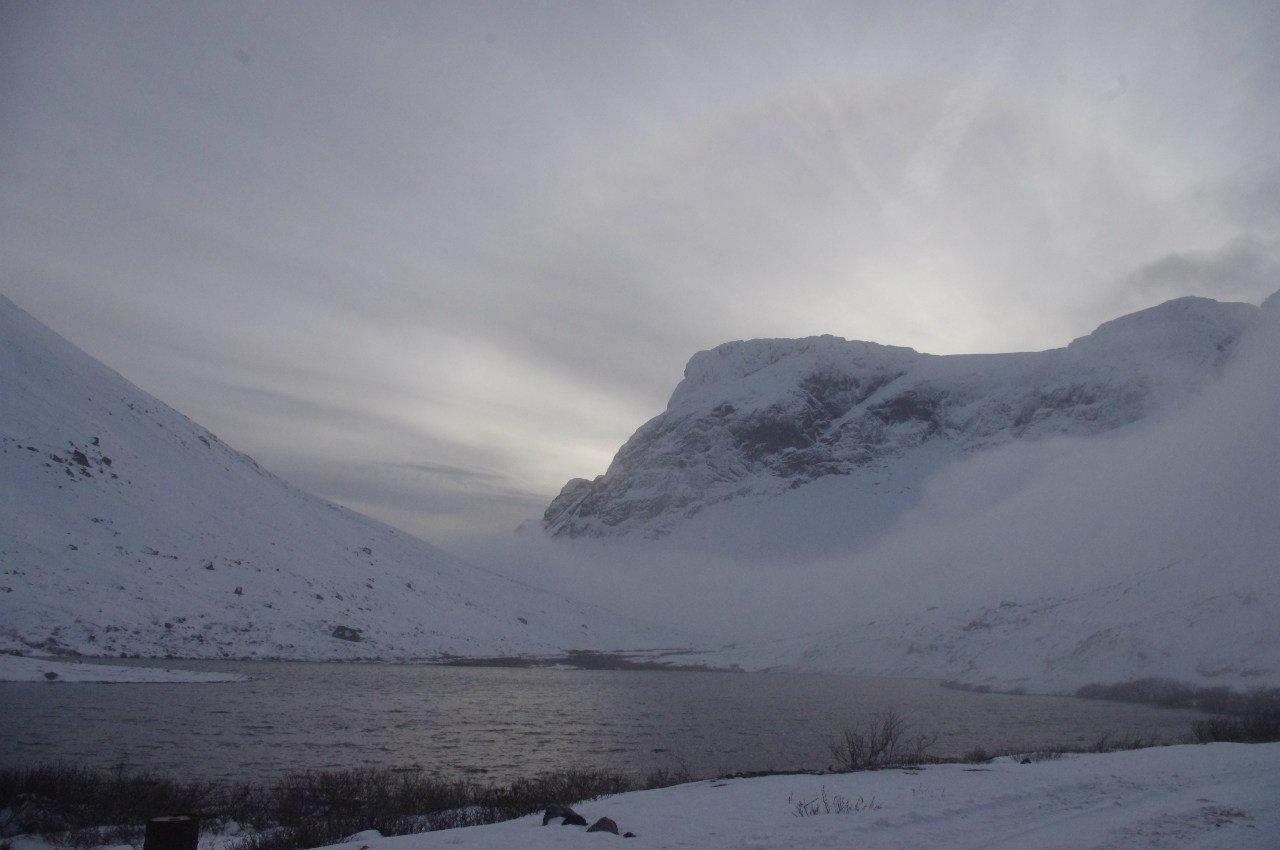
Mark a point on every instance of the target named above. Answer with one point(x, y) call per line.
point(885, 741)
point(1173, 694)
point(1257, 721)
point(665, 777)
point(833, 805)
point(78, 807)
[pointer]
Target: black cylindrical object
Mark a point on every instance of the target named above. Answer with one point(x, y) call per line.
point(172, 832)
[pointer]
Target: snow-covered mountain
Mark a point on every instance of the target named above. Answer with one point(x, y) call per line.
point(1097, 513)
point(755, 420)
point(1105, 511)
point(125, 528)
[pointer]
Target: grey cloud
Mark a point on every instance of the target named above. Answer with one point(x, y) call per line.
point(1256, 202)
point(1244, 269)
point(489, 236)
point(441, 504)
point(455, 473)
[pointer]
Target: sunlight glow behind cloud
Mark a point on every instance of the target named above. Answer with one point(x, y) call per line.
point(365, 242)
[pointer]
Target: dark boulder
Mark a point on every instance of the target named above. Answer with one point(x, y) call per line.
point(604, 825)
point(343, 632)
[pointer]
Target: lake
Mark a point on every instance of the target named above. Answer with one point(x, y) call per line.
point(499, 724)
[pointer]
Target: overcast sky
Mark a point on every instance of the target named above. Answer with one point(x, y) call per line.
point(431, 260)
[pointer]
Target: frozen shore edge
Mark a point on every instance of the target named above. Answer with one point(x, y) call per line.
point(22, 668)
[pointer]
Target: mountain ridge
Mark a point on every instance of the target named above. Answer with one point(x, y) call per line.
point(755, 418)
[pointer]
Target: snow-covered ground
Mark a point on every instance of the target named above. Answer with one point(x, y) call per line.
point(14, 668)
point(1210, 797)
point(1191, 797)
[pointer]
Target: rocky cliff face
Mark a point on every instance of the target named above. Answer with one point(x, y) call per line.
point(762, 417)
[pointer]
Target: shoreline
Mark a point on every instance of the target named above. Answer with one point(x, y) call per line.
point(16, 667)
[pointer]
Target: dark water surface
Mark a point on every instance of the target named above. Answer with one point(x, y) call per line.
point(505, 723)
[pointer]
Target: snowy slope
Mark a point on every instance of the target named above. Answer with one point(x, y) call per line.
point(125, 528)
point(755, 421)
point(1183, 622)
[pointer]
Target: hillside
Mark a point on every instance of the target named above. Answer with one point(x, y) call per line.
point(127, 529)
